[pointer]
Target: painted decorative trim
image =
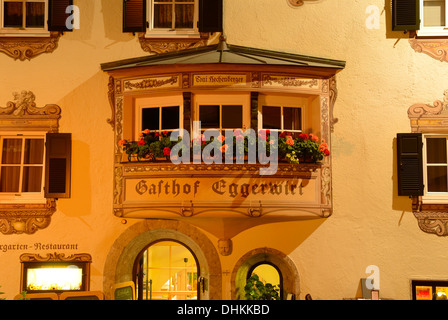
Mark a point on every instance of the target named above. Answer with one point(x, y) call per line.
point(26, 218)
point(433, 222)
point(427, 117)
point(81, 257)
point(26, 48)
point(435, 48)
point(156, 45)
point(298, 3)
point(23, 114)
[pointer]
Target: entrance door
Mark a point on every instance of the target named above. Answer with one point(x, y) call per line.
point(166, 270)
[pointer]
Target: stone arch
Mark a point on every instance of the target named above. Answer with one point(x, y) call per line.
point(120, 259)
point(283, 263)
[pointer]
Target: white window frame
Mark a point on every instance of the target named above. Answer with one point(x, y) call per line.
point(171, 32)
point(282, 102)
point(432, 31)
point(432, 197)
point(21, 197)
point(158, 102)
point(20, 32)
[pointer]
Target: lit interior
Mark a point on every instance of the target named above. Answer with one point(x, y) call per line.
point(54, 278)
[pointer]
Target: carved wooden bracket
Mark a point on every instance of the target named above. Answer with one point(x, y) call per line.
point(435, 48)
point(23, 115)
point(25, 48)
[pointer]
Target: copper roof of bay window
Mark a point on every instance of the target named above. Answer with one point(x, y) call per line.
point(223, 53)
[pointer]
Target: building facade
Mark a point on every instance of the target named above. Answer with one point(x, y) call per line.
point(109, 179)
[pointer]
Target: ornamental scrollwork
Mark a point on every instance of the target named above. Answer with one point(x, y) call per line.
point(26, 48)
point(81, 257)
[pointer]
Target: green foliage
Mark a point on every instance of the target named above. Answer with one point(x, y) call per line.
point(257, 290)
point(23, 296)
point(1, 294)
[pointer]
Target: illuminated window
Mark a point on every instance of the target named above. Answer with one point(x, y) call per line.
point(56, 273)
point(166, 270)
point(429, 290)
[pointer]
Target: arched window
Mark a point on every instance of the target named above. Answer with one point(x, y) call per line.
point(267, 273)
point(166, 270)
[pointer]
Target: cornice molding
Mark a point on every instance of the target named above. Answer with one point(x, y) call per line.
point(26, 48)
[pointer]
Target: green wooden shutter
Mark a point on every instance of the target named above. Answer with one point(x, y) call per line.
point(56, 15)
point(410, 164)
point(134, 15)
point(405, 15)
point(210, 16)
point(58, 165)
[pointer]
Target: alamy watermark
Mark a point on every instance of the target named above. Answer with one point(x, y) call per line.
point(373, 280)
point(73, 20)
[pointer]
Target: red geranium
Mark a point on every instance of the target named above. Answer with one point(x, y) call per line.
point(141, 142)
point(326, 152)
point(303, 136)
point(166, 151)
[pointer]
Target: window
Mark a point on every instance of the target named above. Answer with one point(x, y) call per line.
point(24, 14)
point(282, 118)
point(429, 17)
point(56, 273)
point(433, 18)
point(435, 164)
point(33, 17)
point(267, 273)
point(159, 114)
point(173, 17)
point(168, 18)
point(160, 118)
point(221, 117)
point(429, 290)
point(22, 167)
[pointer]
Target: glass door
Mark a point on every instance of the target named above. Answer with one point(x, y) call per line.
point(166, 270)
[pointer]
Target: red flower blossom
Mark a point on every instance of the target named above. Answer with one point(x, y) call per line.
point(141, 142)
point(166, 151)
point(326, 152)
point(303, 136)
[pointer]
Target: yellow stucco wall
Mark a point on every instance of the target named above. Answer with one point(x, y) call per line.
point(370, 225)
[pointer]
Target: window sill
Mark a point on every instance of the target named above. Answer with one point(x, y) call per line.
point(162, 44)
point(23, 47)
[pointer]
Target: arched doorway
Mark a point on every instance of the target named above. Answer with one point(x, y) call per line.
point(128, 247)
point(285, 267)
point(166, 270)
point(268, 272)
